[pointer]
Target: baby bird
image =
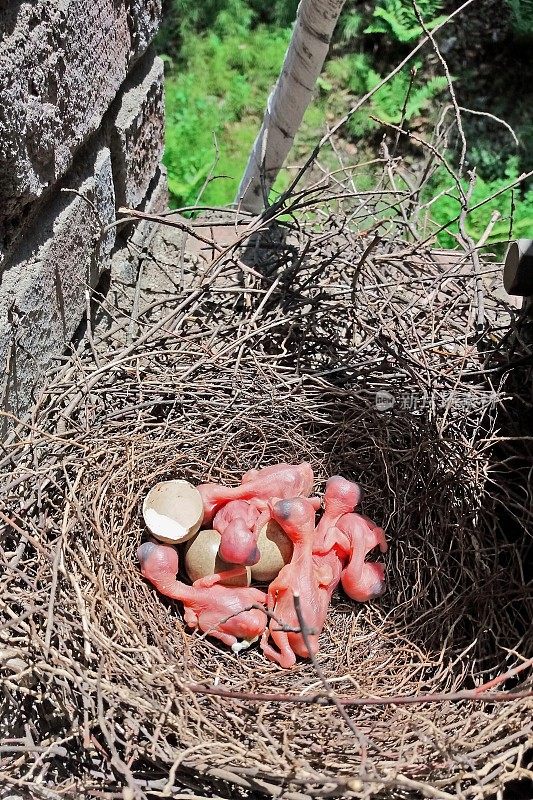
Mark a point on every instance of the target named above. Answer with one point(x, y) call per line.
point(351, 536)
point(340, 497)
point(362, 580)
point(310, 580)
point(280, 480)
point(223, 612)
point(236, 524)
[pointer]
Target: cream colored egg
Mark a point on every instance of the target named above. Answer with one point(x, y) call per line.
point(201, 559)
point(276, 551)
point(173, 511)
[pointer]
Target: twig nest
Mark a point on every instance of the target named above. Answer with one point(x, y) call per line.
point(173, 511)
point(201, 559)
point(276, 551)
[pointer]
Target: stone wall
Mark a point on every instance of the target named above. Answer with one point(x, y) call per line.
point(81, 134)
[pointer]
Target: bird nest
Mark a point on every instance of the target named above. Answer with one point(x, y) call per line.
point(378, 361)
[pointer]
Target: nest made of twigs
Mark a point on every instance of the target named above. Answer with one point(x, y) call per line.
point(248, 366)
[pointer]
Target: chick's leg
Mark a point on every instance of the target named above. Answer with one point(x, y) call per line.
point(334, 538)
point(378, 533)
point(284, 655)
point(211, 580)
point(191, 620)
point(280, 637)
point(209, 624)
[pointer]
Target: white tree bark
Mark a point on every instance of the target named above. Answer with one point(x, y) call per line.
point(289, 99)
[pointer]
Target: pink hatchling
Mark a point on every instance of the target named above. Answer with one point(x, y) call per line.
point(352, 536)
point(340, 497)
point(362, 580)
point(312, 580)
point(236, 524)
point(240, 512)
point(223, 612)
point(280, 480)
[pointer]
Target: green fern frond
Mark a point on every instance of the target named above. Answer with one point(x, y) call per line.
point(351, 26)
point(391, 24)
point(521, 16)
point(423, 96)
point(397, 18)
point(400, 98)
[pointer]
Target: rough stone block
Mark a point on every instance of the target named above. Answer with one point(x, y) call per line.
point(155, 202)
point(61, 65)
point(138, 132)
point(144, 17)
point(43, 290)
point(125, 261)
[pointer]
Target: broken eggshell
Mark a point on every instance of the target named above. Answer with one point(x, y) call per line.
point(173, 511)
point(276, 551)
point(202, 559)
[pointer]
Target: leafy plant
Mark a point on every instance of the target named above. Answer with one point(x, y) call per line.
point(220, 95)
point(514, 207)
point(350, 26)
point(403, 95)
point(186, 18)
point(521, 16)
point(397, 18)
point(280, 13)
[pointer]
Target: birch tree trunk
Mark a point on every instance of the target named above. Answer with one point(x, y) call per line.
point(289, 99)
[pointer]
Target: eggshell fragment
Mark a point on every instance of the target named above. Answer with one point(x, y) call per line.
point(173, 511)
point(276, 551)
point(201, 559)
point(243, 644)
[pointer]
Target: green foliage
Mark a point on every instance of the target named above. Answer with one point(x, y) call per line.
point(222, 58)
point(397, 18)
point(489, 163)
point(220, 95)
point(350, 26)
point(403, 97)
point(235, 19)
point(186, 18)
point(280, 13)
point(522, 16)
point(514, 207)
